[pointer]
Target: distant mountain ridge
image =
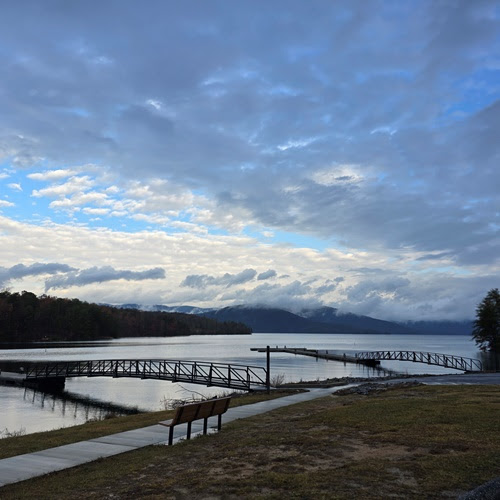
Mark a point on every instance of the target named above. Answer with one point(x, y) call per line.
point(264, 319)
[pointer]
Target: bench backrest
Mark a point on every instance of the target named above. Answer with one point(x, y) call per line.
point(204, 409)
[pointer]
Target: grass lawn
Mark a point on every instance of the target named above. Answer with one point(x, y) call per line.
point(418, 442)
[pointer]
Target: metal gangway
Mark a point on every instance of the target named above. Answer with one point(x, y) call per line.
point(430, 358)
point(232, 376)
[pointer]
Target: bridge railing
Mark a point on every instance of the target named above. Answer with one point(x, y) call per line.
point(430, 358)
point(211, 374)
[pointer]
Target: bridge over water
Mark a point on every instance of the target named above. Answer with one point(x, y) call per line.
point(233, 376)
point(429, 358)
point(373, 358)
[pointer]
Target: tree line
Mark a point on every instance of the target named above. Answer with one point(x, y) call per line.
point(24, 317)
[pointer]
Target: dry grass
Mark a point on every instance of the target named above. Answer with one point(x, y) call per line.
point(424, 442)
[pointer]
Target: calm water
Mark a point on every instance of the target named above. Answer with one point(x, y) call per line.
point(31, 411)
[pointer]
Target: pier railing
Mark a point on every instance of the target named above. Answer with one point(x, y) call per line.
point(233, 376)
point(430, 358)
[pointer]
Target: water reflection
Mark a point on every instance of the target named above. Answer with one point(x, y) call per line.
point(67, 402)
point(63, 408)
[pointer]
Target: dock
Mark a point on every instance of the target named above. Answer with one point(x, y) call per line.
point(11, 378)
point(319, 354)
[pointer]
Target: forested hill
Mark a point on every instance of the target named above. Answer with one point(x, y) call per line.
point(25, 317)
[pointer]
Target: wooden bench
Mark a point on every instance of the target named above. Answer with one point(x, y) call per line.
point(197, 411)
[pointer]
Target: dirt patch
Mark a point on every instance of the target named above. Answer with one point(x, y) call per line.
point(355, 449)
point(404, 478)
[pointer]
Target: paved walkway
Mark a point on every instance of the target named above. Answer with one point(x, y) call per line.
point(21, 467)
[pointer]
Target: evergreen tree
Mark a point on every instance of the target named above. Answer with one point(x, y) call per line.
point(486, 330)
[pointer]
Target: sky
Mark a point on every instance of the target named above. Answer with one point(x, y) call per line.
point(283, 153)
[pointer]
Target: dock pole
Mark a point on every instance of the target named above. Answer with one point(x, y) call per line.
point(268, 369)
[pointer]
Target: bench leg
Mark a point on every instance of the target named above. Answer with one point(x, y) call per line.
point(171, 435)
point(189, 430)
point(205, 423)
point(219, 423)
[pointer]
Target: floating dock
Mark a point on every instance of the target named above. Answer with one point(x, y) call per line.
point(11, 378)
point(319, 354)
point(19, 379)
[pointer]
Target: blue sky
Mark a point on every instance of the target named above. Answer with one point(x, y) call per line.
point(291, 153)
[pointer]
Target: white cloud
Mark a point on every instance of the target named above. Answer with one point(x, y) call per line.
point(15, 186)
point(151, 218)
point(51, 175)
point(96, 211)
point(75, 184)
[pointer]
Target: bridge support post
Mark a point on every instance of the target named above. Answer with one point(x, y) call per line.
point(268, 369)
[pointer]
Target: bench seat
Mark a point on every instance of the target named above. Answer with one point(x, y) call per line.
point(197, 411)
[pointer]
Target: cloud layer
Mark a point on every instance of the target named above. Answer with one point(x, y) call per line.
point(343, 153)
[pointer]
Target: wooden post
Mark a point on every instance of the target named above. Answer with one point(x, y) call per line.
point(268, 369)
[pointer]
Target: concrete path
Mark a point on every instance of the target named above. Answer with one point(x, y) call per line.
point(21, 467)
point(31, 465)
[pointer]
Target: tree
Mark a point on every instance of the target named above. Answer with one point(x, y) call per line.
point(486, 330)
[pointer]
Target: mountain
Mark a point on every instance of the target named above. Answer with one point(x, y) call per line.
point(264, 319)
point(442, 327)
point(273, 320)
point(270, 320)
point(350, 321)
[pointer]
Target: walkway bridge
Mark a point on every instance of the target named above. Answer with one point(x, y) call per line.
point(429, 358)
point(232, 376)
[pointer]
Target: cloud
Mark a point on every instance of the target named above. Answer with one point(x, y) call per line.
point(20, 271)
point(96, 211)
point(76, 184)
point(293, 296)
point(50, 175)
point(367, 289)
point(15, 186)
point(227, 280)
point(100, 275)
point(5, 203)
point(328, 286)
point(271, 273)
point(433, 296)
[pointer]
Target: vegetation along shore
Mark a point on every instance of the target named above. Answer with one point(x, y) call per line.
point(24, 317)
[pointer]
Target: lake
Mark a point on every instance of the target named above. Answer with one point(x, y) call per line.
point(25, 410)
